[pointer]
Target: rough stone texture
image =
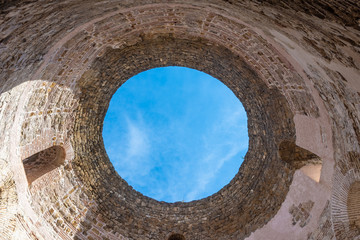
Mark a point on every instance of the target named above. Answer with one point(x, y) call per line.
point(324, 230)
point(295, 65)
point(301, 213)
point(353, 204)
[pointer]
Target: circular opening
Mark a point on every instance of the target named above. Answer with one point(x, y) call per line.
point(263, 175)
point(175, 134)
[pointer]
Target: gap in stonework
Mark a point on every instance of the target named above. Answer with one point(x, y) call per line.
point(175, 133)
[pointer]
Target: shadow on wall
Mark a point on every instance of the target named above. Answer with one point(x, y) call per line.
point(43, 162)
point(176, 236)
point(299, 158)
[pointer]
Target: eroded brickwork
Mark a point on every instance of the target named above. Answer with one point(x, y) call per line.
point(325, 229)
point(8, 201)
point(301, 213)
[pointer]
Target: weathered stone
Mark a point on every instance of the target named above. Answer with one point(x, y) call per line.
point(293, 64)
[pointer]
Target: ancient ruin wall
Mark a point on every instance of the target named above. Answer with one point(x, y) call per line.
point(295, 67)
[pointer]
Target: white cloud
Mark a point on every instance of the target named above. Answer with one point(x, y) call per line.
point(134, 155)
point(138, 141)
point(227, 139)
point(214, 161)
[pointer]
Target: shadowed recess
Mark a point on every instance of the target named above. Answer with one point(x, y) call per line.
point(43, 162)
point(297, 156)
point(176, 236)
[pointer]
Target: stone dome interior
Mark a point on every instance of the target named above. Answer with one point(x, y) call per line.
point(294, 66)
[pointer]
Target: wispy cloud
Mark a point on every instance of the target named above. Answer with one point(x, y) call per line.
point(139, 143)
point(214, 162)
point(223, 143)
point(134, 152)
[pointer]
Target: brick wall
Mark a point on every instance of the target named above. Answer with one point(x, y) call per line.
point(62, 61)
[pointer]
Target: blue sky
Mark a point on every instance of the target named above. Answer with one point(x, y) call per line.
point(175, 133)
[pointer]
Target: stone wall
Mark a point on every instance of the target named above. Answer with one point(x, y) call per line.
point(295, 67)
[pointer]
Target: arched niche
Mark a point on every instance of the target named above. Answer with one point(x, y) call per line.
point(176, 236)
point(43, 162)
point(299, 158)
